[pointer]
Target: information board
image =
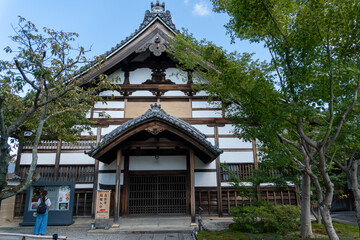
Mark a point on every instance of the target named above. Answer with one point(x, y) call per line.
point(61, 195)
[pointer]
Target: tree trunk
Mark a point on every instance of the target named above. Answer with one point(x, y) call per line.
point(353, 172)
point(306, 229)
point(4, 155)
point(330, 230)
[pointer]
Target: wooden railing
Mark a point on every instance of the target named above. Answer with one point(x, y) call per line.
point(72, 173)
point(80, 145)
point(52, 145)
point(241, 170)
point(77, 173)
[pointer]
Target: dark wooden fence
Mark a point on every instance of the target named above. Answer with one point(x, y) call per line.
point(71, 173)
point(207, 199)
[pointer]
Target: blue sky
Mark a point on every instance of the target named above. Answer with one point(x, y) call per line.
point(103, 24)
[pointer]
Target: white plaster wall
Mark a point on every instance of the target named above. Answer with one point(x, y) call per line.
point(205, 129)
point(201, 93)
point(198, 164)
point(43, 158)
point(214, 104)
point(142, 94)
point(75, 159)
point(110, 104)
point(110, 114)
point(227, 129)
point(207, 114)
point(108, 129)
point(237, 157)
point(109, 178)
point(205, 179)
point(109, 93)
point(84, 186)
point(174, 94)
point(148, 163)
point(111, 166)
point(176, 75)
point(117, 73)
point(228, 184)
point(140, 75)
point(93, 132)
point(234, 143)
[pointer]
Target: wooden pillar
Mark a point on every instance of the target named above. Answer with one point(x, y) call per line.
point(192, 186)
point(18, 158)
point(126, 185)
point(117, 189)
point(256, 165)
point(96, 176)
point(57, 160)
point(218, 175)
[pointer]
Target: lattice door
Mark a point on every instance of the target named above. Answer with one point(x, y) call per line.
point(157, 195)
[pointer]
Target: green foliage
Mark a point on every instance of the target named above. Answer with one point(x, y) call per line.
point(44, 91)
point(345, 231)
point(266, 217)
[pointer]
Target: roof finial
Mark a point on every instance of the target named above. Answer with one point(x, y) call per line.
point(155, 107)
point(157, 8)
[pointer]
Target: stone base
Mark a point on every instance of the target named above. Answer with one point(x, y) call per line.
point(115, 225)
point(7, 210)
point(194, 225)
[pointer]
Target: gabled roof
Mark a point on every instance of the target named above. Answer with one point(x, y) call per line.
point(156, 113)
point(121, 50)
point(157, 13)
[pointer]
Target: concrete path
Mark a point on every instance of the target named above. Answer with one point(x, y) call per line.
point(131, 228)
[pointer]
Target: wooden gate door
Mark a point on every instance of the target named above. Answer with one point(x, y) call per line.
point(157, 194)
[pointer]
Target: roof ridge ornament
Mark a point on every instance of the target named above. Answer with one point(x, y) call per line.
point(155, 107)
point(157, 8)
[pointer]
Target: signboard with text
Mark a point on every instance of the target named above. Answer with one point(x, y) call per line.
point(102, 209)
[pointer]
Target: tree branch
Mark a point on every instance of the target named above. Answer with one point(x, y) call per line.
point(343, 117)
point(24, 75)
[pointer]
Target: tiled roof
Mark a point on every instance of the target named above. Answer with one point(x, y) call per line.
point(157, 12)
point(157, 113)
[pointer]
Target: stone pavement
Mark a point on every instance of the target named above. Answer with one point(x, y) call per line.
point(131, 228)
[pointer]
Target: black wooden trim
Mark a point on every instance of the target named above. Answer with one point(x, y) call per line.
point(205, 170)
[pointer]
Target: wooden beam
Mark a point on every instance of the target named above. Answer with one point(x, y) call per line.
point(126, 185)
point(18, 158)
point(117, 189)
point(153, 152)
point(218, 175)
point(57, 160)
point(192, 186)
point(96, 177)
point(153, 144)
point(118, 121)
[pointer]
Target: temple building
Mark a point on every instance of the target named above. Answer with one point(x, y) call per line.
point(157, 143)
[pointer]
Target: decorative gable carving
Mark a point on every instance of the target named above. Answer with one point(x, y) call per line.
point(157, 45)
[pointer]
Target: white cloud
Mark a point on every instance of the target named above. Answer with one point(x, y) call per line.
point(201, 9)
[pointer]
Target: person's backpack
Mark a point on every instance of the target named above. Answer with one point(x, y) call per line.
point(41, 209)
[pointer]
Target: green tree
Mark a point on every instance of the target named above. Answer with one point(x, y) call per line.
point(43, 94)
point(303, 98)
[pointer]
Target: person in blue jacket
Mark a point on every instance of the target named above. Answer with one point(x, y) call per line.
point(42, 219)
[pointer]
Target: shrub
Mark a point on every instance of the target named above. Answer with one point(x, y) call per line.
point(266, 217)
